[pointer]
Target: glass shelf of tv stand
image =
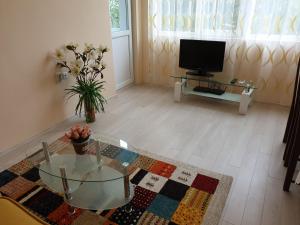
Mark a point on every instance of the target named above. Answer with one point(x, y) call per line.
point(218, 79)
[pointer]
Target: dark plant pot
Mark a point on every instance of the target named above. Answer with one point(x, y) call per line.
point(80, 147)
point(90, 116)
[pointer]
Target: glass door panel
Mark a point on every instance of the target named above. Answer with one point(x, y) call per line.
point(119, 15)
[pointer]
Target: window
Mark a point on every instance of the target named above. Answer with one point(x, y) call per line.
point(239, 18)
point(275, 17)
point(187, 15)
point(178, 15)
point(220, 17)
point(114, 6)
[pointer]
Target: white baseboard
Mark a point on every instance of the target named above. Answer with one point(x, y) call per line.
point(123, 84)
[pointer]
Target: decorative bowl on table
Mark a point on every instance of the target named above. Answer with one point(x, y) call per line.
point(79, 137)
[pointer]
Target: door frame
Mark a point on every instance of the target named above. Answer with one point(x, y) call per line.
point(118, 34)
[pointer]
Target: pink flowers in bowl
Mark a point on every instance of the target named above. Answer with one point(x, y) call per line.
point(78, 134)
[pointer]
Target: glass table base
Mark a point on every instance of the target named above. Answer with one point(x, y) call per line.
point(91, 195)
point(100, 196)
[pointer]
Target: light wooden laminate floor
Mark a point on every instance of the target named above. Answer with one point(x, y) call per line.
point(211, 135)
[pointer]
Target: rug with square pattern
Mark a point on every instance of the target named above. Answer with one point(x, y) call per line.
point(167, 192)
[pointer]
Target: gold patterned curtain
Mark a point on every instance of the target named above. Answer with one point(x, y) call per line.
point(262, 40)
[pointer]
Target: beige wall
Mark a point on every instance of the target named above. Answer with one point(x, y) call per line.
point(30, 99)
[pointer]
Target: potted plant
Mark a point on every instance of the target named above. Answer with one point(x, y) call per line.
point(86, 67)
point(79, 136)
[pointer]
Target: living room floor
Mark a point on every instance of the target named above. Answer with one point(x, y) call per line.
point(213, 136)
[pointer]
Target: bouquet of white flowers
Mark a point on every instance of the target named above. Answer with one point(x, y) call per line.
point(85, 66)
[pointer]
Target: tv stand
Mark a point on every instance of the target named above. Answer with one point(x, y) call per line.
point(186, 86)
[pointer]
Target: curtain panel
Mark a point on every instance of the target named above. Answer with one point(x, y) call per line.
point(262, 40)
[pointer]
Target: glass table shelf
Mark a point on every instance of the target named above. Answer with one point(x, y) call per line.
point(232, 97)
point(218, 79)
point(90, 181)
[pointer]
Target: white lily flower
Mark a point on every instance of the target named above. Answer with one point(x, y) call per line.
point(75, 71)
point(93, 55)
point(95, 65)
point(60, 55)
point(77, 63)
point(88, 47)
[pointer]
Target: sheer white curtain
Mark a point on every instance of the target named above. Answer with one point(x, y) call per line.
point(262, 40)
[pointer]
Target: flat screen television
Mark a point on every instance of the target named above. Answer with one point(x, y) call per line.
point(201, 56)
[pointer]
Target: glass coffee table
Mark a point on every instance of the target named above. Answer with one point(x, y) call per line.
point(90, 181)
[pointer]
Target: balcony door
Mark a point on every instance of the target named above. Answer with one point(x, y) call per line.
point(120, 13)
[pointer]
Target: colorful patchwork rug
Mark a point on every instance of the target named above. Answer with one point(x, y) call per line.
point(167, 192)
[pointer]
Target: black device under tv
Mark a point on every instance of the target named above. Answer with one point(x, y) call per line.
point(216, 91)
point(201, 57)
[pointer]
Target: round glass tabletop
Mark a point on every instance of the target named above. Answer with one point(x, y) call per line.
point(98, 179)
point(96, 165)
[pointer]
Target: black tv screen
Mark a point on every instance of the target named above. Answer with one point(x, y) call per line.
point(203, 56)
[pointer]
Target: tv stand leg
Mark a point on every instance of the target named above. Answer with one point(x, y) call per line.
point(246, 98)
point(177, 91)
